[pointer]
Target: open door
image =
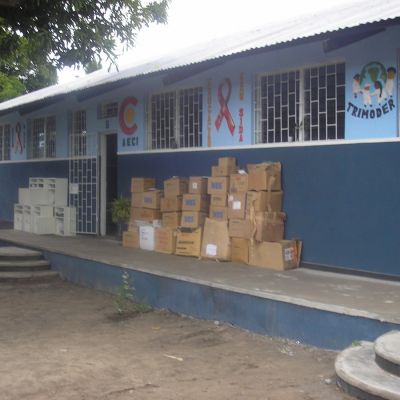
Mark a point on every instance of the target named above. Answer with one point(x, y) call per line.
point(109, 179)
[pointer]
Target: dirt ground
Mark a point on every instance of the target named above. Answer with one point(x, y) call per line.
point(60, 341)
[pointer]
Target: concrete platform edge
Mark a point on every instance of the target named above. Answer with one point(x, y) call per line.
point(308, 324)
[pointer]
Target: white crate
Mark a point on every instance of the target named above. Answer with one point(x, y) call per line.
point(41, 197)
point(27, 219)
point(24, 196)
point(43, 225)
point(18, 217)
point(65, 221)
point(58, 189)
point(43, 211)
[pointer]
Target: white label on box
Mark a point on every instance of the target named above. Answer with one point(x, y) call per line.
point(230, 198)
point(288, 254)
point(211, 250)
point(194, 185)
point(237, 205)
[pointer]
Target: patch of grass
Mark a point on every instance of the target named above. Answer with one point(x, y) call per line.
point(126, 303)
point(355, 343)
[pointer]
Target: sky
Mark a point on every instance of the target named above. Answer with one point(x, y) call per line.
point(196, 21)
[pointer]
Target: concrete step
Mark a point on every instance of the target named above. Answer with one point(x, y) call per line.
point(387, 352)
point(359, 375)
point(28, 276)
point(24, 265)
point(11, 253)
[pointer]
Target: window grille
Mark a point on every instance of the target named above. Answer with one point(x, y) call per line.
point(43, 138)
point(280, 102)
point(324, 102)
point(305, 104)
point(163, 117)
point(190, 117)
point(78, 135)
point(5, 142)
point(107, 110)
point(176, 119)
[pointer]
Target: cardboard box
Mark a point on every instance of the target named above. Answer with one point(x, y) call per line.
point(265, 176)
point(144, 214)
point(196, 202)
point(264, 201)
point(216, 243)
point(165, 240)
point(188, 242)
point(237, 205)
point(219, 213)
point(152, 199)
point(171, 219)
point(192, 219)
point(241, 228)
point(275, 255)
point(227, 162)
point(238, 183)
point(219, 200)
point(270, 226)
point(131, 238)
point(218, 185)
point(139, 185)
point(176, 186)
point(198, 184)
point(240, 250)
point(146, 237)
point(217, 171)
point(171, 204)
point(137, 199)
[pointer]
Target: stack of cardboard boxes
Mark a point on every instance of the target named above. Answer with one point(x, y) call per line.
point(145, 214)
point(232, 215)
point(192, 208)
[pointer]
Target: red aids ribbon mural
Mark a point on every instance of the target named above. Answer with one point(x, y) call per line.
point(241, 112)
point(223, 103)
point(18, 140)
point(126, 116)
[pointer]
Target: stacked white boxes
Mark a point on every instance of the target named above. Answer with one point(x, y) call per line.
point(43, 208)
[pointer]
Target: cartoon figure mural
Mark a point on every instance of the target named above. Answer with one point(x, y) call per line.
point(375, 84)
point(391, 74)
point(356, 85)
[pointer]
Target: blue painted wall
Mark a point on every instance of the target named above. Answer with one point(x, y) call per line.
point(342, 201)
point(261, 315)
point(16, 175)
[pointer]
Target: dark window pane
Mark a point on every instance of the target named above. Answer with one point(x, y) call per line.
point(331, 132)
point(331, 112)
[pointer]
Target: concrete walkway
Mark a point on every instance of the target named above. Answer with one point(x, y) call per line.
point(344, 294)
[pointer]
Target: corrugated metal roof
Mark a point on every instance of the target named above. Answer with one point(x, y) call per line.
point(339, 18)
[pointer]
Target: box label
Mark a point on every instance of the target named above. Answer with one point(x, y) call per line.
point(288, 254)
point(236, 205)
point(211, 250)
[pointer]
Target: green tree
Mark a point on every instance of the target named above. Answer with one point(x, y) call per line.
point(37, 37)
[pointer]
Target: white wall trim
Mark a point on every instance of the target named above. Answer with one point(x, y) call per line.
point(266, 146)
point(38, 160)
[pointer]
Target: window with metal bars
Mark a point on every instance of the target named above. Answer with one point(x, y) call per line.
point(324, 102)
point(5, 142)
point(301, 105)
point(43, 138)
point(175, 119)
point(107, 110)
point(78, 134)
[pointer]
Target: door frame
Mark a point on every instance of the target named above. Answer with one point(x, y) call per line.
point(103, 179)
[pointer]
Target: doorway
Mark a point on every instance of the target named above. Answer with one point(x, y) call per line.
point(109, 179)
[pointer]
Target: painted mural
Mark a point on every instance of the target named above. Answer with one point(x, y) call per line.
point(228, 103)
point(372, 91)
point(127, 122)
